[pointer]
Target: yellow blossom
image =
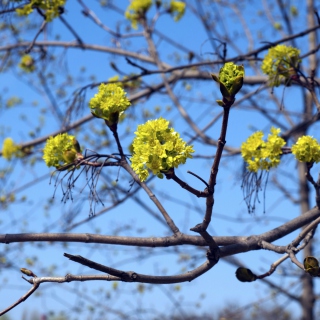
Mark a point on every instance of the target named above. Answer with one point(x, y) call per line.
point(177, 9)
point(280, 63)
point(51, 8)
point(10, 149)
point(110, 100)
point(306, 149)
point(27, 63)
point(261, 154)
point(136, 10)
point(158, 148)
point(59, 150)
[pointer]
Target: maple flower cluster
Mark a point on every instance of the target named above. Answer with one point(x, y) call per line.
point(27, 63)
point(263, 155)
point(158, 148)
point(260, 154)
point(280, 63)
point(51, 8)
point(306, 149)
point(10, 149)
point(136, 10)
point(60, 150)
point(177, 9)
point(109, 102)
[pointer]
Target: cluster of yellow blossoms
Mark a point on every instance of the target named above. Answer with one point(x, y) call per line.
point(158, 148)
point(10, 149)
point(263, 155)
point(51, 8)
point(110, 102)
point(138, 9)
point(60, 150)
point(280, 64)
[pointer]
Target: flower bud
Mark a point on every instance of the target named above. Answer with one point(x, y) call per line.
point(245, 275)
point(230, 80)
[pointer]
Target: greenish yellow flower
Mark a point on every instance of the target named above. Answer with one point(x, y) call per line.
point(127, 85)
point(306, 149)
point(13, 101)
point(280, 63)
point(294, 11)
point(158, 148)
point(230, 80)
point(115, 78)
point(259, 154)
point(51, 8)
point(10, 149)
point(109, 102)
point(277, 26)
point(27, 63)
point(60, 150)
point(136, 10)
point(177, 9)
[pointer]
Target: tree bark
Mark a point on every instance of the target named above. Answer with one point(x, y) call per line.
point(308, 294)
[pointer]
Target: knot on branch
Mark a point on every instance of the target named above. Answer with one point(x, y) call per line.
point(134, 276)
point(68, 277)
point(129, 276)
point(167, 241)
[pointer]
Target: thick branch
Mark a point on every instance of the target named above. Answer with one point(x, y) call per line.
point(232, 245)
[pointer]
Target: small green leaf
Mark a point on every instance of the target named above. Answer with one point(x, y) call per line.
point(236, 86)
point(220, 103)
point(215, 78)
point(76, 145)
point(245, 275)
point(224, 91)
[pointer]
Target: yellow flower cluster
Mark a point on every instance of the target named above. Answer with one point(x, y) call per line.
point(51, 8)
point(109, 102)
point(261, 154)
point(280, 63)
point(158, 148)
point(306, 149)
point(177, 9)
point(60, 150)
point(27, 63)
point(136, 10)
point(10, 149)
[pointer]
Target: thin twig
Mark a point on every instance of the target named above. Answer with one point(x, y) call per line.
point(44, 23)
point(23, 298)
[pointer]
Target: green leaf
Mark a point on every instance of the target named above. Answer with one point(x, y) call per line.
point(220, 103)
point(224, 91)
point(236, 86)
point(215, 78)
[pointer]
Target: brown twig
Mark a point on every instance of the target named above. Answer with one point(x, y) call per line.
point(23, 298)
point(29, 48)
point(131, 276)
point(172, 175)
